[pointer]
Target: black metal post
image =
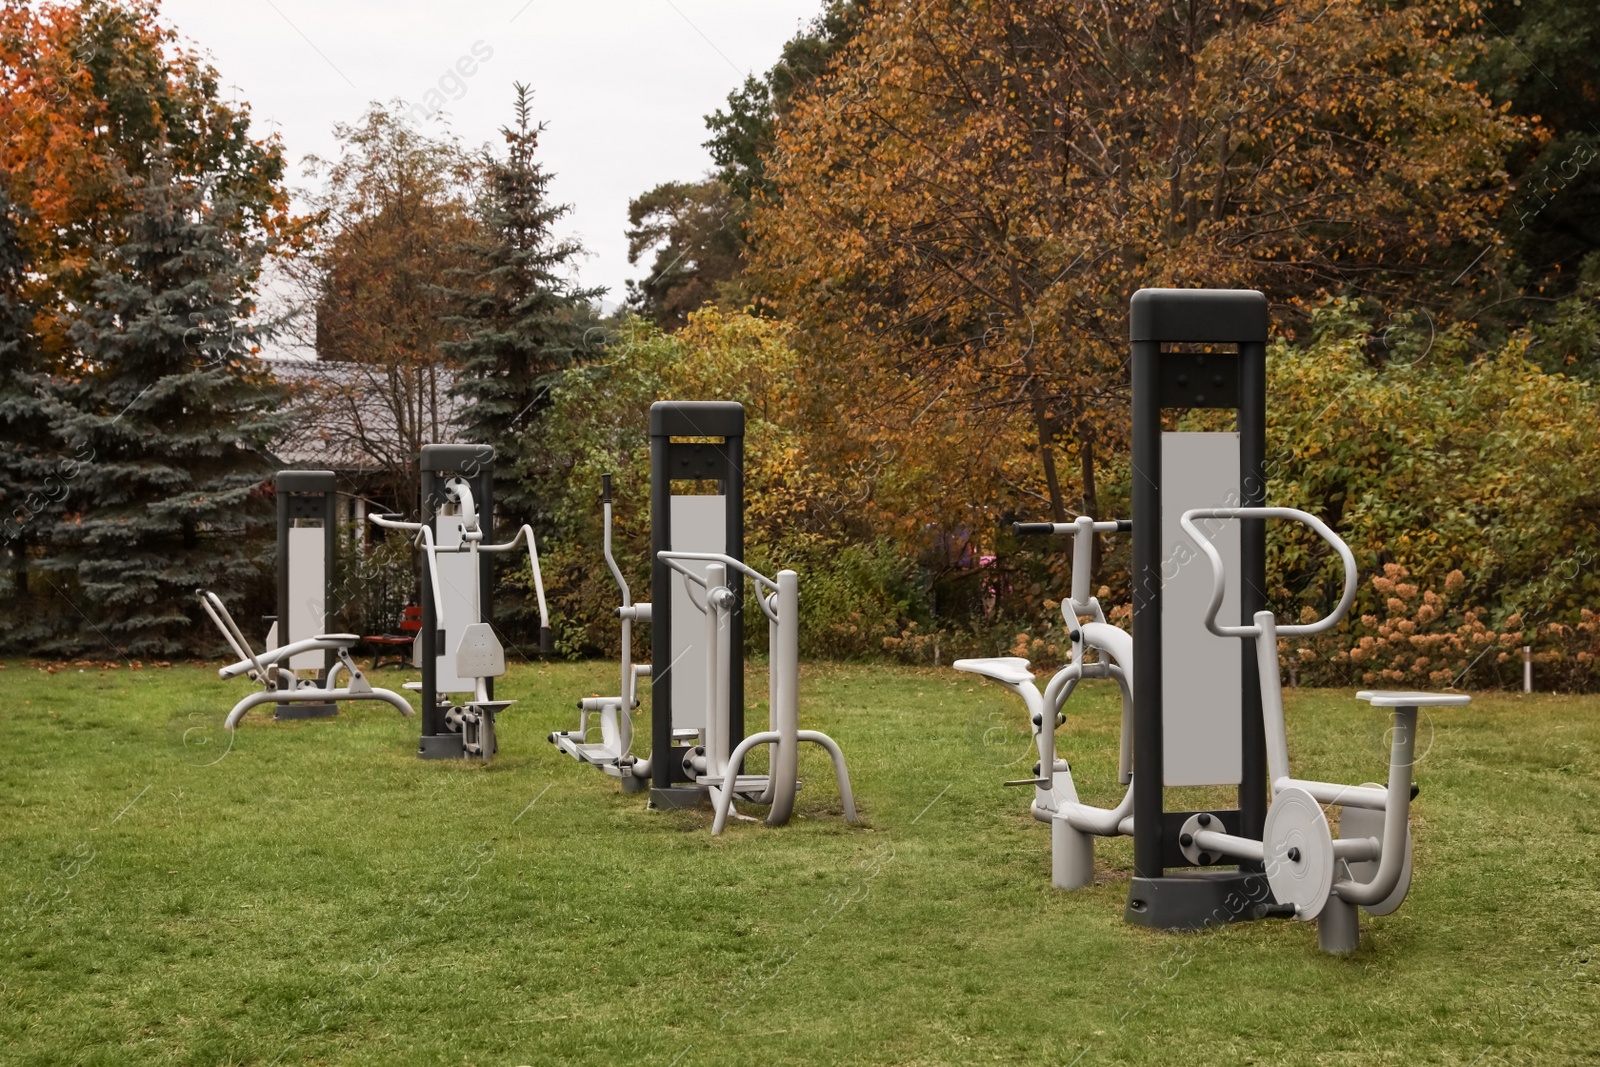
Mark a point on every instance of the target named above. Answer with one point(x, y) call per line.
point(733, 491)
point(691, 441)
point(310, 495)
point(1252, 413)
point(1147, 748)
point(432, 719)
point(1215, 318)
point(438, 464)
point(661, 766)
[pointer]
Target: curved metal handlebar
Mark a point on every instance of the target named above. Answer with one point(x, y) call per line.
point(430, 550)
point(526, 533)
point(1219, 575)
point(671, 559)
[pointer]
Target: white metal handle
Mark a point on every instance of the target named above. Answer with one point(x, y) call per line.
point(1219, 574)
point(425, 539)
point(675, 561)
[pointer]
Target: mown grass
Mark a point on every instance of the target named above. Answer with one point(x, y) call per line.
point(313, 893)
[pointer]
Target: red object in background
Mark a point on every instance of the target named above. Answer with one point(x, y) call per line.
point(410, 624)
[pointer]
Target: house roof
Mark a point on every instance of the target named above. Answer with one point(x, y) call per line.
point(364, 417)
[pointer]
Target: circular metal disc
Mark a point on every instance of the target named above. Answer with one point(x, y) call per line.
point(1193, 852)
point(1295, 821)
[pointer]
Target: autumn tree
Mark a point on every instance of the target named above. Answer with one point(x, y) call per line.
point(95, 92)
point(966, 202)
point(743, 133)
point(395, 213)
point(139, 207)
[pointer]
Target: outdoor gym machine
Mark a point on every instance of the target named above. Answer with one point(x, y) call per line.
point(299, 670)
point(1191, 703)
point(457, 648)
point(697, 698)
point(696, 447)
point(613, 753)
point(1072, 825)
point(1313, 876)
point(713, 766)
point(1197, 713)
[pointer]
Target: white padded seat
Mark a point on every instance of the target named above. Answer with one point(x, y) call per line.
point(1007, 670)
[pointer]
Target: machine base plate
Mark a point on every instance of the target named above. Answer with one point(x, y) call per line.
point(1195, 900)
point(679, 797)
point(305, 711)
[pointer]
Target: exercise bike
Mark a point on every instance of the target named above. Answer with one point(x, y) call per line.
point(1369, 866)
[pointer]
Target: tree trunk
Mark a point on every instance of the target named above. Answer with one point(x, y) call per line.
point(1040, 403)
point(19, 570)
point(1041, 422)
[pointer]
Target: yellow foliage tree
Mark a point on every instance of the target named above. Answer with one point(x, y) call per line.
point(969, 198)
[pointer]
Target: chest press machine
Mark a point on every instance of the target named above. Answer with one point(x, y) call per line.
point(457, 648)
point(1197, 712)
point(698, 743)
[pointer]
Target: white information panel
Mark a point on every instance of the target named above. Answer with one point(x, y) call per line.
point(699, 524)
point(1201, 675)
point(457, 580)
point(307, 587)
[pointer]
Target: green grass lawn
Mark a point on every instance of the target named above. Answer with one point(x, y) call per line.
point(313, 893)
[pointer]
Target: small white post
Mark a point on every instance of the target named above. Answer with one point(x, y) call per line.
point(1071, 855)
point(1527, 668)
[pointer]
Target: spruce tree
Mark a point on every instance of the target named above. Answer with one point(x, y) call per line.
point(31, 485)
point(522, 318)
point(172, 416)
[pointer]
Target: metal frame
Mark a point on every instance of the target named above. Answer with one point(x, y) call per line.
point(613, 753)
point(1312, 875)
point(306, 495)
point(717, 768)
point(1175, 381)
point(279, 684)
point(674, 457)
point(462, 477)
point(1073, 824)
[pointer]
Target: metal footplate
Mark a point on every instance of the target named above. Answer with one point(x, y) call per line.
point(744, 784)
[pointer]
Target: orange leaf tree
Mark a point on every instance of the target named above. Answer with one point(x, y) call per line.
point(95, 92)
point(966, 202)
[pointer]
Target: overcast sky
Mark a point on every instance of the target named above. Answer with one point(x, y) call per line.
point(623, 84)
